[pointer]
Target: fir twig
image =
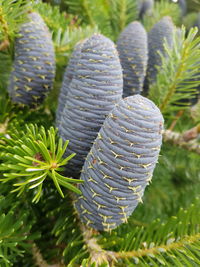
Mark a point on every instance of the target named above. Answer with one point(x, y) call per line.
point(178, 140)
point(157, 249)
point(39, 260)
point(178, 77)
point(32, 156)
point(97, 254)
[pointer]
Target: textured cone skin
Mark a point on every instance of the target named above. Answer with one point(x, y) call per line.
point(162, 30)
point(133, 52)
point(34, 66)
point(120, 163)
point(69, 74)
point(145, 6)
point(93, 92)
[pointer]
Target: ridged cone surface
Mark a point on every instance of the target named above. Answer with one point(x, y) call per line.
point(93, 93)
point(68, 76)
point(162, 30)
point(34, 65)
point(120, 163)
point(133, 53)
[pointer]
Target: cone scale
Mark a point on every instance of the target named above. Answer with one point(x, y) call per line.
point(120, 163)
point(34, 65)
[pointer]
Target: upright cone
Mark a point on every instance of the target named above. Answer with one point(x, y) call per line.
point(94, 91)
point(68, 76)
point(120, 163)
point(163, 30)
point(34, 66)
point(133, 52)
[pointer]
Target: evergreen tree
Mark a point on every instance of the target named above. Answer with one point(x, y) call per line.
point(41, 221)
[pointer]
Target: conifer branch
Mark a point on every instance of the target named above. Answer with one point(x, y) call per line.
point(158, 249)
point(178, 77)
point(30, 157)
point(97, 254)
point(179, 140)
point(39, 260)
point(4, 26)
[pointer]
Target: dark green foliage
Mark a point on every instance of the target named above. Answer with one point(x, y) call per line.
point(34, 67)
point(163, 30)
point(133, 53)
point(15, 226)
point(93, 92)
point(32, 156)
point(172, 87)
point(164, 231)
point(162, 9)
point(12, 14)
point(111, 16)
point(120, 163)
point(174, 242)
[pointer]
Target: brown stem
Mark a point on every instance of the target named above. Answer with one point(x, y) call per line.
point(3, 45)
point(178, 115)
point(97, 254)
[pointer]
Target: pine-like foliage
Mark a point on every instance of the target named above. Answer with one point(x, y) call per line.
point(163, 30)
point(34, 156)
point(15, 230)
point(111, 16)
point(173, 86)
point(40, 227)
point(162, 9)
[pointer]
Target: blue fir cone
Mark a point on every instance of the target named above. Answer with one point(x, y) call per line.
point(93, 92)
point(161, 31)
point(120, 163)
point(133, 53)
point(145, 7)
point(68, 75)
point(182, 5)
point(34, 65)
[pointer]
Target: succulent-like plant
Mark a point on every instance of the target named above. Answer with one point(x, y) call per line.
point(133, 53)
point(94, 91)
point(145, 6)
point(68, 76)
point(162, 30)
point(120, 163)
point(34, 66)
